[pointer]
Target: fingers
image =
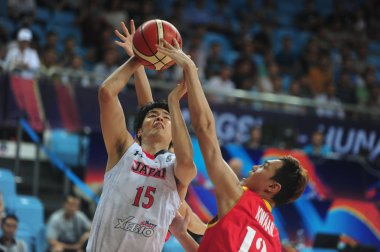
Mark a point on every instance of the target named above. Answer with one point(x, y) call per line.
point(120, 36)
point(124, 28)
point(119, 43)
point(167, 44)
point(132, 25)
point(176, 44)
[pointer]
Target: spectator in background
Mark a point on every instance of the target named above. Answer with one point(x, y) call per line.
point(321, 74)
point(68, 228)
point(255, 136)
point(329, 104)
point(263, 38)
point(74, 74)
point(69, 52)
point(237, 165)
point(245, 73)
point(22, 59)
point(286, 58)
point(22, 10)
point(49, 62)
point(347, 88)
point(8, 241)
point(107, 66)
point(317, 147)
point(221, 82)
point(114, 12)
point(214, 61)
point(309, 18)
point(51, 41)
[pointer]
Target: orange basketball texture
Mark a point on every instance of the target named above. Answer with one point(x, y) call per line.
point(145, 39)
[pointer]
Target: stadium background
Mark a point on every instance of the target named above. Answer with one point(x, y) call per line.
point(291, 51)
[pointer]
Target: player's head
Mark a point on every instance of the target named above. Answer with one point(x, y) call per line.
point(280, 181)
point(153, 121)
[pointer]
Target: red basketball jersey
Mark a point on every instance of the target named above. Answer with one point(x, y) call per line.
point(248, 226)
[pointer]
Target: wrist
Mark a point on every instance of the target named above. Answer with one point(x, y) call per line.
point(189, 64)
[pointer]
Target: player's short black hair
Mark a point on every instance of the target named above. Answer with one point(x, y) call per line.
point(162, 104)
point(293, 179)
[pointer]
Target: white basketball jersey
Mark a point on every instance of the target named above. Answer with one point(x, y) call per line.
point(137, 205)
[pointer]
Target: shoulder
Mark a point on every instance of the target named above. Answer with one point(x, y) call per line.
point(56, 216)
point(81, 215)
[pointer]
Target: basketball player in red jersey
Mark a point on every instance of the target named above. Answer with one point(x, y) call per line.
point(244, 221)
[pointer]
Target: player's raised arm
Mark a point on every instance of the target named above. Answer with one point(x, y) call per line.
point(143, 91)
point(227, 187)
point(115, 134)
point(184, 169)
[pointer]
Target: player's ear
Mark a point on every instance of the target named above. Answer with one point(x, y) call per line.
point(275, 187)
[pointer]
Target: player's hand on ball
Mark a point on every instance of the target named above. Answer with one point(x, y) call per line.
point(174, 52)
point(126, 39)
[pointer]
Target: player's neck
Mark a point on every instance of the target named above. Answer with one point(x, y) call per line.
point(153, 148)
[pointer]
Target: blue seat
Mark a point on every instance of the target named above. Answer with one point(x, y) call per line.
point(299, 38)
point(40, 33)
point(67, 146)
point(30, 212)
point(3, 8)
point(64, 31)
point(43, 15)
point(24, 233)
point(63, 18)
point(231, 57)
point(289, 7)
point(325, 7)
point(7, 188)
point(9, 26)
point(374, 47)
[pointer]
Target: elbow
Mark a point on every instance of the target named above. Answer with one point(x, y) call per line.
point(104, 94)
point(203, 126)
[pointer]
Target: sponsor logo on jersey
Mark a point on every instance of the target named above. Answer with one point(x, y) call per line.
point(148, 171)
point(137, 228)
point(263, 218)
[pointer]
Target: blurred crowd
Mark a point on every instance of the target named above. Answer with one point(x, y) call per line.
point(325, 50)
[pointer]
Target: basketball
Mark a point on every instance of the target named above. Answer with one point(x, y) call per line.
point(145, 39)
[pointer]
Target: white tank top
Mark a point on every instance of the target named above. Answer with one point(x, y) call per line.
point(137, 205)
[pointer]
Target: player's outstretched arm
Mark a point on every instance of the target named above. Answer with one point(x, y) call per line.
point(184, 169)
point(143, 91)
point(116, 137)
point(196, 225)
point(227, 186)
point(179, 229)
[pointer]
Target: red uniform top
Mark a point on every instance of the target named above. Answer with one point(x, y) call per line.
point(248, 226)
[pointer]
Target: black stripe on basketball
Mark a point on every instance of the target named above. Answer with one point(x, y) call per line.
point(150, 49)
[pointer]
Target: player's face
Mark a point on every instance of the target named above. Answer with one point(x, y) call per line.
point(260, 178)
point(157, 123)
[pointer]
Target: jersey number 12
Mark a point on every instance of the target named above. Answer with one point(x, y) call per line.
point(248, 240)
point(149, 193)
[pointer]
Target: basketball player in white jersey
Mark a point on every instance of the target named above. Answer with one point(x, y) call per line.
point(144, 184)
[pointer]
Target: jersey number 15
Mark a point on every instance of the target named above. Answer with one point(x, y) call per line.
point(149, 193)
